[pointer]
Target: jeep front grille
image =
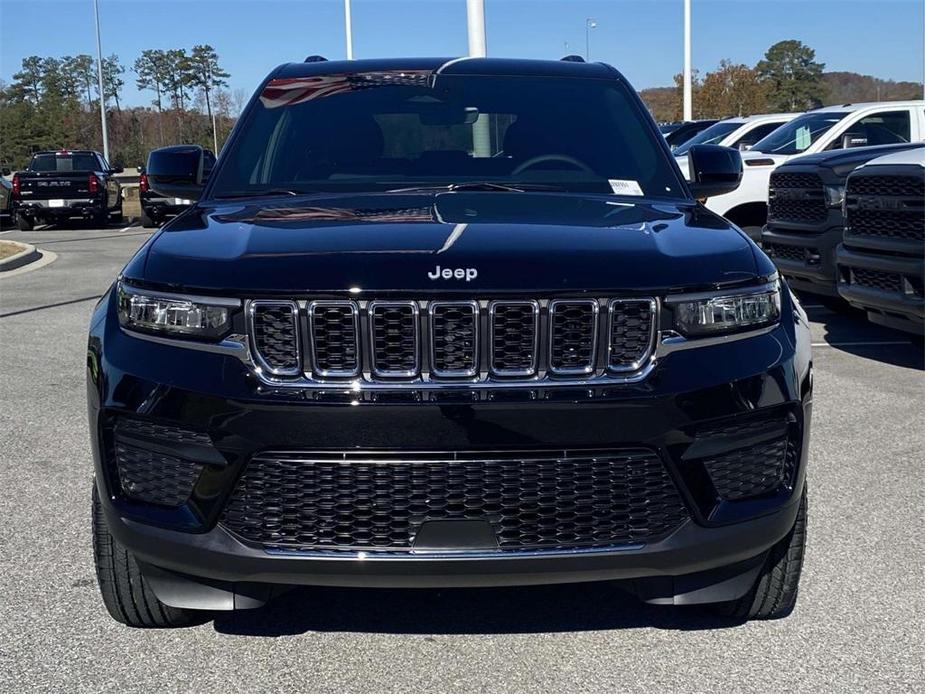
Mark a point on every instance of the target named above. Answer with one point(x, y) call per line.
point(467, 341)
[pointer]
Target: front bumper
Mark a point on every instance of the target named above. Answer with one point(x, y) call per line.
point(216, 395)
point(806, 259)
point(901, 307)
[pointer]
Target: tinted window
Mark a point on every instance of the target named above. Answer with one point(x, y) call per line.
point(64, 162)
point(892, 127)
point(797, 135)
point(756, 134)
point(710, 136)
point(389, 130)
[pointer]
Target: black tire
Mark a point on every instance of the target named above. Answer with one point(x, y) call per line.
point(23, 223)
point(126, 594)
point(774, 594)
point(146, 221)
point(116, 216)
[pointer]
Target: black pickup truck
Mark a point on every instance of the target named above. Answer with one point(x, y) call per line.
point(805, 219)
point(881, 261)
point(66, 184)
point(447, 323)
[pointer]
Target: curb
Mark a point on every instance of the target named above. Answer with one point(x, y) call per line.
point(27, 255)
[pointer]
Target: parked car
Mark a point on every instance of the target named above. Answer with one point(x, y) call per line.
point(829, 128)
point(805, 220)
point(62, 185)
point(881, 262)
point(6, 200)
point(447, 323)
point(156, 209)
point(739, 133)
point(676, 134)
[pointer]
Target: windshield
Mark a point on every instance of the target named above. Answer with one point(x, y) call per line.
point(385, 131)
point(63, 162)
point(710, 136)
point(797, 135)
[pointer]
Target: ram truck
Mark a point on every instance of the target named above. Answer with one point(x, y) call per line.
point(64, 185)
point(881, 261)
point(805, 220)
point(822, 130)
point(439, 323)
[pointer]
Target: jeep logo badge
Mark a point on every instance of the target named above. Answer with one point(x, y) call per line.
point(459, 273)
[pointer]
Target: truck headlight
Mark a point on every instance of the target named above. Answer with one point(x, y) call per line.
point(834, 195)
point(173, 315)
point(727, 312)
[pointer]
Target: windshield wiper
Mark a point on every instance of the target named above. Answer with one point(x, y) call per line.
point(263, 193)
point(478, 185)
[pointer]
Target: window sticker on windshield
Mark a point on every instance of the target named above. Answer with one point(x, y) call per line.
point(803, 139)
point(621, 187)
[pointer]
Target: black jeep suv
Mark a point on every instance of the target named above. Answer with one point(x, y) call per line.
point(447, 323)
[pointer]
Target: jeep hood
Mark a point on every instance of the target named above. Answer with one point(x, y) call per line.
point(504, 242)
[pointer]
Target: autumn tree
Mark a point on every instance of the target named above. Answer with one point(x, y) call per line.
point(732, 90)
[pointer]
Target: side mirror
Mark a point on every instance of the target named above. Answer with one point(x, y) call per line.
point(116, 170)
point(714, 170)
point(745, 146)
point(176, 172)
point(849, 140)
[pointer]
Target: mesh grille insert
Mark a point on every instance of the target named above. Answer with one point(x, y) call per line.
point(573, 336)
point(275, 335)
point(454, 338)
point(632, 325)
point(395, 338)
point(335, 338)
point(752, 471)
point(796, 198)
point(531, 500)
point(514, 334)
point(155, 478)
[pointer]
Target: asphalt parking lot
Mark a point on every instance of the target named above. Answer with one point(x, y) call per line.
point(858, 625)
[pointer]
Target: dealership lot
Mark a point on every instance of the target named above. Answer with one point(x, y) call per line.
point(858, 624)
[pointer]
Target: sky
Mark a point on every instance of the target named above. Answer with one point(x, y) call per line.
point(642, 38)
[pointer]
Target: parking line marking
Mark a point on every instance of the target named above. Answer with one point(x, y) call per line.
point(860, 344)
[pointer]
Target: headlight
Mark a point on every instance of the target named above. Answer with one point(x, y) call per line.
point(834, 195)
point(173, 315)
point(727, 312)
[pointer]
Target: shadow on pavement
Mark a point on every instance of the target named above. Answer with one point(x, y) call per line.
point(518, 610)
point(850, 331)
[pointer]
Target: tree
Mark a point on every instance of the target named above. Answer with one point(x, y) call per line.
point(28, 81)
point(732, 90)
point(176, 69)
point(696, 83)
point(82, 69)
point(206, 74)
point(793, 75)
point(112, 79)
point(151, 68)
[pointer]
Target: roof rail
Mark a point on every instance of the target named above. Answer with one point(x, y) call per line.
point(316, 59)
point(572, 58)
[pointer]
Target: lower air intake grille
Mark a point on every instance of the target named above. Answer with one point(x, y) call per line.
point(394, 328)
point(875, 279)
point(573, 336)
point(155, 478)
point(532, 500)
point(276, 335)
point(784, 252)
point(752, 471)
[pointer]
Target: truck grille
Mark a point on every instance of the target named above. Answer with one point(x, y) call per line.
point(443, 340)
point(531, 500)
point(876, 279)
point(784, 252)
point(796, 198)
point(896, 211)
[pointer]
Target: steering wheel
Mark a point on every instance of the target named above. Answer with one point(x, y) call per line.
point(543, 158)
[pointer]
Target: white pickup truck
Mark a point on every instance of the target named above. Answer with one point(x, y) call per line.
point(832, 127)
point(740, 133)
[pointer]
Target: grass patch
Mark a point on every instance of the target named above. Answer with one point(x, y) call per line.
point(10, 248)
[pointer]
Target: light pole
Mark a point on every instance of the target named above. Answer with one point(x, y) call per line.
point(348, 27)
point(688, 74)
point(478, 48)
point(589, 25)
point(99, 76)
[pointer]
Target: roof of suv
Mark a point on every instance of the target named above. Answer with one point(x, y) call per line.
point(848, 108)
point(452, 66)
